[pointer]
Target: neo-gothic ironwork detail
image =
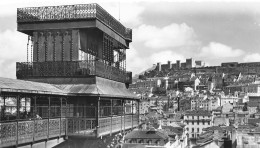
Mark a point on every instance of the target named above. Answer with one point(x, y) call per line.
point(70, 69)
point(72, 12)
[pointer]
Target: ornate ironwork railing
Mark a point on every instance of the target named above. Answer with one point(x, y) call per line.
point(20, 132)
point(30, 131)
point(110, 125)
point(116, 123)
point(70, 69)
point(81, 126)
point(72, 12)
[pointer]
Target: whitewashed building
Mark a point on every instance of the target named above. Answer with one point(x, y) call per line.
point(196, 120)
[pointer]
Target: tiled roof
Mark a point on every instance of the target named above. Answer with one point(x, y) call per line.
point(253, 121)
point(255, 130)
point(173, 130)
point(218, 108)
point(220, 121)
point(146, 134)
point(193, 78)
point(133, 145)
point(219, 128)
point(252, 104)
point(198, 113)
point(212, 128)
point(209, 134)
point(181, 124)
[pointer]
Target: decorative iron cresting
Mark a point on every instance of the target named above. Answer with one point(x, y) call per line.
point(72, 12)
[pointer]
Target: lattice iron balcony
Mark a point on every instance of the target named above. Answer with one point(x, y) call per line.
point(30, 131)
point(77, 69)
point(72, 12)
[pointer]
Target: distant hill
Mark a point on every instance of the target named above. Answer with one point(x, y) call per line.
point(135, 77)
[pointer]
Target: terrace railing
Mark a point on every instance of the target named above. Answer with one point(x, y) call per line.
point(81, 126)
point(31, 131)
point(72, 12)
point(22, 132)
point(115, 124)
point(25, 70)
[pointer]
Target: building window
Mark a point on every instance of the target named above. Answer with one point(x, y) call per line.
point(192, 129)
point(192, 117)
point(203, 122)
point(187, 129)
point(192, 135)
point(208, 123)
point(192, 122)
point(198, 130)
point(198, 123)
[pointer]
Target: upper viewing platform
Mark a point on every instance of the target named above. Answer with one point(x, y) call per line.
point(73, 41)
point(70, 13)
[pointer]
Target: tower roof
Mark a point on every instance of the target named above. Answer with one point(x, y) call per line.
point(79, 13)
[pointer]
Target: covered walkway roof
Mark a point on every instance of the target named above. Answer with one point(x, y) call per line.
point(102, 87)
point(22, 86)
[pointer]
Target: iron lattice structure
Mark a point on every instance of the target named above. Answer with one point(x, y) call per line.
point(71, 69)
point(76, 78)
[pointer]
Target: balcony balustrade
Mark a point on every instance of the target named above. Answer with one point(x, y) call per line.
point(21, 132)
point(30, 131)
point(25, 70)
point(70, 13)
point(117, 123)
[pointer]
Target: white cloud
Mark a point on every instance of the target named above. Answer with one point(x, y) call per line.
point(217, 50)
point(138, 64)
point(130, 14)
point(169, 43)
point(165, 56)
point(12, 49)
point(254, 57)
point(135, 63)
point(173, 35)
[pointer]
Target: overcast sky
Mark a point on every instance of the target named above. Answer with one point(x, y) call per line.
point(213, 32)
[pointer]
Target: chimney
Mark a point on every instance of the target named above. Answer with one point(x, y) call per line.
point(159, 67)
point(178, 99)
